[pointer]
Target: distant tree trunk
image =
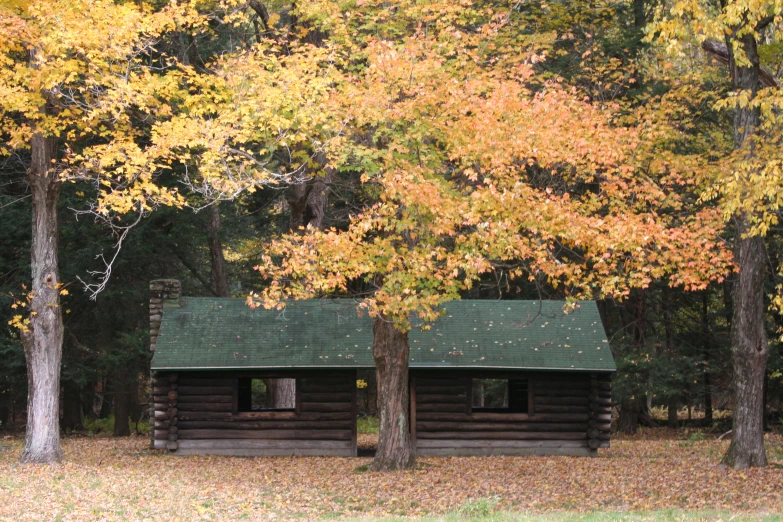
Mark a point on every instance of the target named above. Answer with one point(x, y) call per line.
point(121, 407)
point(43, 340)
point(106, 399)
point(672, 414)
point(748, 338)
point(219, 280)
point(134, 408)
point(307, 204)
point(391, 352)
point(705, 334)
point(628, 421)
point(72, 407)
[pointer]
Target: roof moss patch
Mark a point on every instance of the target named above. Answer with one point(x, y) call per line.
point(216, 333)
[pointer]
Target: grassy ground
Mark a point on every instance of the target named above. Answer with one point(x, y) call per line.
point(659, 475)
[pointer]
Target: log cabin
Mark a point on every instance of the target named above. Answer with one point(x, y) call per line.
point(487, 378)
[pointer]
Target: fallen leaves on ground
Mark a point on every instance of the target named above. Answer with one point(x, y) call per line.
point(120, 479)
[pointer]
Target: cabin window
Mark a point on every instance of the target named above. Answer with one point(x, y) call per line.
point(500, 395)
point(266, 394)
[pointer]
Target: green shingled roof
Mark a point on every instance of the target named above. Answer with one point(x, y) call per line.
point(215, 333)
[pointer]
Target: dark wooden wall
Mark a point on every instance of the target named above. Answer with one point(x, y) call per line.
point(196, 413)
point(570, 415)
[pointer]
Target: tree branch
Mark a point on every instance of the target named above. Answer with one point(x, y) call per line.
point(721, 53)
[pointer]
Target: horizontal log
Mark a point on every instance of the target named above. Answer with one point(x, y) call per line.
point(291, 415)
point(161, 425)
point(266, 434)
point(161, 435)
point(604, 444)
point(161, 390)
point(160, 444)
point(160, 415)
point(264, 444)
point(208, 406)
point(602, 417)
point(204, 398)
point(600, 402)
point(578, 451)
point(559, 393)
point(206, 390)
point(348, 380)
point(553, 408)
point(565, 401)
point(439, 407)
point(443, 381)
point(242, 452)
point(448, 390)
point(325, 406)
point(267, 425)
point(592, 433)
point(204, 415)
point(327, 388)
point(327, 397)
point(503, 417)
point(422, 398)
point(445, 443)
point(501, 435)
point(500, 426)
point(600, 426)
point(593, 443)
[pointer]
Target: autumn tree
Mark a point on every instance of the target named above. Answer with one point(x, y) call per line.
point(746, 183)
point(86, 93)
point(472, 170)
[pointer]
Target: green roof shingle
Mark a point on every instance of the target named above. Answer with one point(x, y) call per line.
point(215, 333)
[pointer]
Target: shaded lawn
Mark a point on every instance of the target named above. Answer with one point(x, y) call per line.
point(120, 479)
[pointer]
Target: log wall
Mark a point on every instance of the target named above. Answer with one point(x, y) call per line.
point(568, 414)
point(205, 420)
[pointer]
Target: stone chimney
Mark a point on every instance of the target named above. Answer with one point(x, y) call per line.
point(163, 293)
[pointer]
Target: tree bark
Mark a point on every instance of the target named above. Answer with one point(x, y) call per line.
point(219, 280)
point(43, 340)
point(749, 346)
point(280, 393)
point(391, 352)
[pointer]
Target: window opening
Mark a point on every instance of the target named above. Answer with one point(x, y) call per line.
point(266, 394)
point(500, 395)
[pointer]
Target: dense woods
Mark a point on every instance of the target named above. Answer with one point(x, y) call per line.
point(404, 154)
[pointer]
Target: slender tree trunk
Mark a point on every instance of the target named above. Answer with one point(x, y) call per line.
point(43, 340)
point(705, 334)
point(748, 338)
point(72, 407)
point(307, 203)
point(391, 352)
point(219, 280)
point(121, 409)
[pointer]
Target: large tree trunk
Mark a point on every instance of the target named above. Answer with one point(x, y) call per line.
point(43, 339)
point(748, 338)
point(749, 355)
point(280, 393)
point(219, 280)
point(391, 352)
